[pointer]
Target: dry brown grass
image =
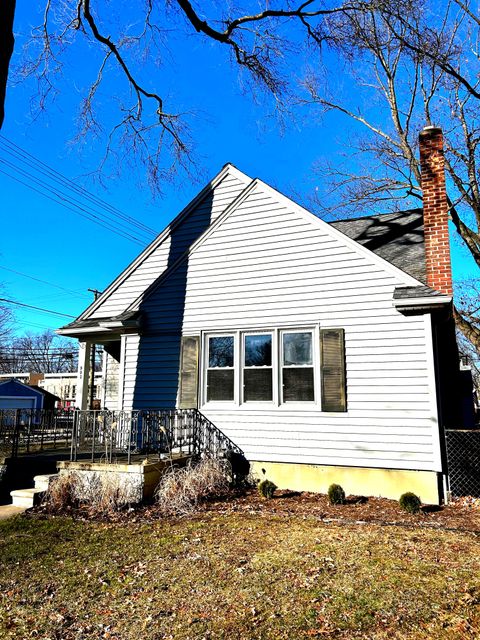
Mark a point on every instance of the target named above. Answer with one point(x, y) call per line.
point(235, 576)
point(181, 490)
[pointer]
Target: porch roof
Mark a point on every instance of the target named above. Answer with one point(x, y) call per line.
point(114, 324)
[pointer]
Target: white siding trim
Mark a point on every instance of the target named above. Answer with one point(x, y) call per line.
point(206, 234)
point(227, 170)
point(121, 372)
point(437, 453)
point(327, 228)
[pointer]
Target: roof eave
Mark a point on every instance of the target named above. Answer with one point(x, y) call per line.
point(422, 305)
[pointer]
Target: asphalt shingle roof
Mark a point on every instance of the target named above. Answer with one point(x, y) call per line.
point(402, 293)
point(396, 237)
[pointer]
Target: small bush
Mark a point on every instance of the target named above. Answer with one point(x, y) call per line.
point(181, 490)
point(267, 488)
point(336, 495)
point(61, 493)
point(410, 502)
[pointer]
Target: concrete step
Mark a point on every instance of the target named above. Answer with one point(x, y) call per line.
point(26, 497)
point(42, 482)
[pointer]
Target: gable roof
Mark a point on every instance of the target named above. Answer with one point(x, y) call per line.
point(396, 238)
point(228, 171)
point(13, 384)
point(408, 280)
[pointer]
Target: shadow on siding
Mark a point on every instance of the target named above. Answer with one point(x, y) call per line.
point(163, 312)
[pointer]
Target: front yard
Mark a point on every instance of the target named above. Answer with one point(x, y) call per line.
point(235, 573)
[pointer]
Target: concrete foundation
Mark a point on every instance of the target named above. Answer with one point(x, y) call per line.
point(385, 483)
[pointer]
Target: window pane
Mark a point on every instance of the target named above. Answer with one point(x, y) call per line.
point(297, 348)
point(258, 351)
point(257, 385)
point(220, 351)
point(220, 384)
point(298, 385)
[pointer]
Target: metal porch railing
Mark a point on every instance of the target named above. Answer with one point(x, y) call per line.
point(120, 435)
point(34, 430)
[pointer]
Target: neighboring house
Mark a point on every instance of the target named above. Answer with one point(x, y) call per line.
point(64, 385)
point(15, 394)
point(325, 351)
point(61, 385)
point(27, 377)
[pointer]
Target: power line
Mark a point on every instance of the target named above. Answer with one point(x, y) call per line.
point(29, 306)
point(64, 201)
point(51, 284)
point(35, 163)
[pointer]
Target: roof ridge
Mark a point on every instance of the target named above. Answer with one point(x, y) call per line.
point(377, 215)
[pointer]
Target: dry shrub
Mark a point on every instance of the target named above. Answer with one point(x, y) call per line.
point(105, 494)
point(98, 494)
point(181, 490)
point(61, 493)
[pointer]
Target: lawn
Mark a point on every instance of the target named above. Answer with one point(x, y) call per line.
point(235, 575)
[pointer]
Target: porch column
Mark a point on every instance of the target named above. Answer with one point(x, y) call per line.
point(83, 375)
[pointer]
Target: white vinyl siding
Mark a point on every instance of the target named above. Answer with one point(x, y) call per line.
point(111, 375)
point(267, 267)
point(171, 248)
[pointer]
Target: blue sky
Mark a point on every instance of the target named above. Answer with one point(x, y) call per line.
point(48, 242)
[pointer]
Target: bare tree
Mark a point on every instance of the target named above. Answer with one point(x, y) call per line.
point(39, 353)
point(410, 67)
point(131, 41)
point(7, 12)
point(6, 320)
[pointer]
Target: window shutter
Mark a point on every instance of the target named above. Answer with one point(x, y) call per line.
point(332, 350)
point(188, 396)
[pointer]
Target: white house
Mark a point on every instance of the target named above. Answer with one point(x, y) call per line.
point(325, 351)
point(64, 386)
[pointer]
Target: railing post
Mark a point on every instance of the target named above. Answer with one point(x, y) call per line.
point(16, 434)
point(131, 434)
point(73, 443)
point(53, 422)
point(94, 429)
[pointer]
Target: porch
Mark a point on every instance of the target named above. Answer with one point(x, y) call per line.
point(132, 448)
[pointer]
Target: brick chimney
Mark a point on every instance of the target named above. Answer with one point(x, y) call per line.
point(435, 211)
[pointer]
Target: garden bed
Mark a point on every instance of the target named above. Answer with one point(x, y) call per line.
point(461, 514)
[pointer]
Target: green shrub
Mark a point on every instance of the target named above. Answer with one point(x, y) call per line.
point(266, 488)
point(336, 494)
point(410, 502)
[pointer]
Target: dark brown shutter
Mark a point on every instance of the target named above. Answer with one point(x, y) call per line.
point(188, 396)
point(332, 353)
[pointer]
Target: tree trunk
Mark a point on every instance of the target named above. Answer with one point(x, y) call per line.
point(469, 330)
point(7, 13)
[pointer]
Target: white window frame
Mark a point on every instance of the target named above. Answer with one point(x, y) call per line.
point(206, 367)
point(272, 367)
point(314, 366)
point(277, 360)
